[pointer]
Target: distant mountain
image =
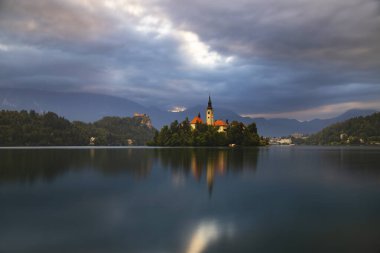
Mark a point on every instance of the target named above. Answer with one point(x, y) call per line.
point(74, 106)
point(276, 126)
point(90, 107)
point(285, 127)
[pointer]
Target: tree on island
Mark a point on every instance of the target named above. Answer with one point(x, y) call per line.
point(181, 134)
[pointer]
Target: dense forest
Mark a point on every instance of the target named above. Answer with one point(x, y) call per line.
point(360, 130)
point(25, 128)
point(181, 134)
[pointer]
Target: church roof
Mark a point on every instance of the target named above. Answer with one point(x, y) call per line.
point(196, 120)
point(220, 123)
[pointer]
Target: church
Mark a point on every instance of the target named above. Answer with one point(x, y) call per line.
point(220, 124)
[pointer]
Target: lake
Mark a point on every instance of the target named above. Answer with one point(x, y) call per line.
point(190, 200)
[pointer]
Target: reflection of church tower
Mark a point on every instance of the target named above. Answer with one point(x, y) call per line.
point(209, 113)
point(195, 168)
point(210, 167)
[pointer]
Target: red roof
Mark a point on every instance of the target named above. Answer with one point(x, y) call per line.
point(220, 123)
point(196, 120)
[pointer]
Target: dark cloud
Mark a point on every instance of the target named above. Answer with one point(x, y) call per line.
point(256, 57)
point(281, 29)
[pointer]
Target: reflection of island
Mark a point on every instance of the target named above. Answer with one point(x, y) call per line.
point(216, 163)
point(210, 161)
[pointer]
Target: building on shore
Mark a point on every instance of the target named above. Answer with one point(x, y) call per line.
point(144, 119)
point(280, 141)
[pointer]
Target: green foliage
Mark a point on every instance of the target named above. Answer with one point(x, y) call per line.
point(32, 129)
point(181, 134)
point(360, 130)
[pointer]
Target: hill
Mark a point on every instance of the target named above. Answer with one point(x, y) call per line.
point(48, 129)
point(358, 130)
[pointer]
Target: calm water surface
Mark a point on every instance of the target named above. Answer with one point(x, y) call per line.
point(275, 199)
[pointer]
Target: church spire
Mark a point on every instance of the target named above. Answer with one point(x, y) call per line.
point(209, 102)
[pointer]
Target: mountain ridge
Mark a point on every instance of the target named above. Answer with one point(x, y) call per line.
point(89, 107)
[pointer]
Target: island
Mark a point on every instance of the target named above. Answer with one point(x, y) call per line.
point(209, 133)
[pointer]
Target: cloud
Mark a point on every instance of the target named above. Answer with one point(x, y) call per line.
point(322, 30)
point(48, 22)
point(256, 57)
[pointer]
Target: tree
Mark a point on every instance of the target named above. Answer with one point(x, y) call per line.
point(32, 129)
point(181, 134)
point(235, 133)
point(357, 130)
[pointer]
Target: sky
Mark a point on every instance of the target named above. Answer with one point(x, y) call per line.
point(291, 58)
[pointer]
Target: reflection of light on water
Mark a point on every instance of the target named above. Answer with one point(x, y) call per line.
point(203, 235)
point(206, 233)
point(92, 153)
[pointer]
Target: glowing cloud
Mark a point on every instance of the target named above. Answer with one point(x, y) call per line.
point(177, 109)
point(159, 25)
point(200, 52)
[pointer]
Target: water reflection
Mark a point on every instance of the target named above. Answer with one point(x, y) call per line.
point(207, 163)
point(203, 235)
point(124, 200)
point(201, 164)
point(334, 165)
point(30, 165)
point(207, 232)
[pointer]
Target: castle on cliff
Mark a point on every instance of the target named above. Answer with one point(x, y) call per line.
point(220, 124)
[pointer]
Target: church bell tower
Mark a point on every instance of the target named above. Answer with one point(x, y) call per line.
point(209, 113)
